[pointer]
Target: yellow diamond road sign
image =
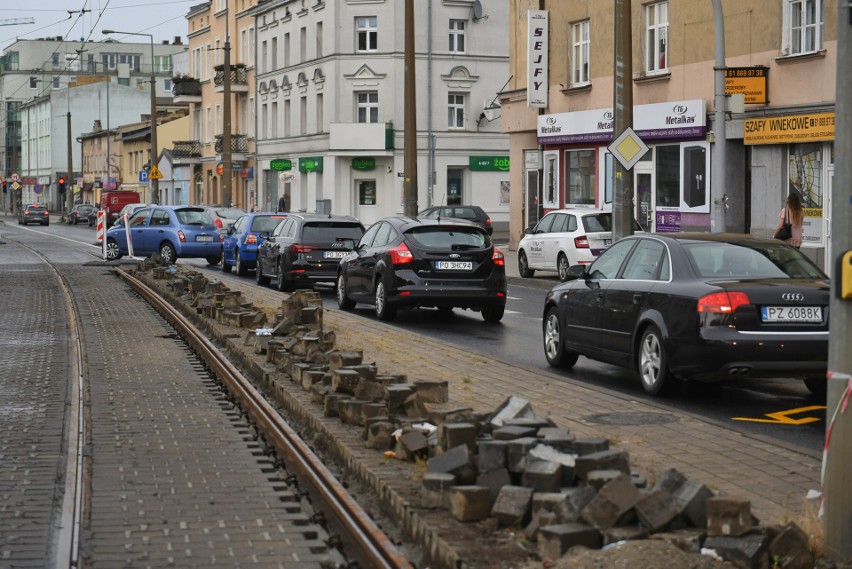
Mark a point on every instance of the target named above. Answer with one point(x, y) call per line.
point(154, 173)
point(628, 148)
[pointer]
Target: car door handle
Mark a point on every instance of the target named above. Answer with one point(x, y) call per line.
point(637, 299)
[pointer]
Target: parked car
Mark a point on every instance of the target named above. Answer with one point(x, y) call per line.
point(472, 213)
point(241, 241)
point(92, 218)
point(224, 217)
point(80, 212)
point(33, 213)
point(694, 306)
point(304, 249)
point(412, 262)
point(564, 238)
point(171, 231)
point(113, 201)
point(130, 209)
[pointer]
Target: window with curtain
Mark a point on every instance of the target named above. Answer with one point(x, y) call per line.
point(580, 53)
point(656, 37)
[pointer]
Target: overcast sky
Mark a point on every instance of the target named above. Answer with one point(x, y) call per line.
point(165, 19)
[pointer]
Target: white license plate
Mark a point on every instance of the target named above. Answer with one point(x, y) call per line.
point(334, 254)
point(204, 238)
point(454, 265)
point(607, 242)
point(791, 313)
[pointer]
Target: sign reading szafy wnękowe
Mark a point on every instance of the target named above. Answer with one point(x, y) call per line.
point(489, 163)
point(281, 164)
point(310, 164)
point(364, 163)
point(790, 129)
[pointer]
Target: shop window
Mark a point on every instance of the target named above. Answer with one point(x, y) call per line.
point(580, 177)
point(366, 192)
point(667, 169)
point(550, 199)
point(804, 172)
point(455, 189)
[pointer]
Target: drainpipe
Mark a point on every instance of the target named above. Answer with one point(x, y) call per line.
point(717, 188)
point(431, 176)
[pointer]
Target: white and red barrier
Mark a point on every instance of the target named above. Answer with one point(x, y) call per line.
point(100, 226)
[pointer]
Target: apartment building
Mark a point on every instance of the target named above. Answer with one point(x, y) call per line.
point(330, 105)
point(780, 60)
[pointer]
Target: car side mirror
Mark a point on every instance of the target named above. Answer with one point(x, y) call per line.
point(264, 234)
point(348, 244)
point(576, 272)
point(528, 231)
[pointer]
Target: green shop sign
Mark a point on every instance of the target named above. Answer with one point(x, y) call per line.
point(363, 164)
point(489, 163)
point(311, 164)
point(281, 164)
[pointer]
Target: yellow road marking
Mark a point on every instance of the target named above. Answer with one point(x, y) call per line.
point(783, 417)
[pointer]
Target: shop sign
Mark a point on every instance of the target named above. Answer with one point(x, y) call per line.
point(751, 82)
point(790, 129)
point(675, 119)
point(281, 164)
point(310, 164)
point(537, 56)
point(489, 163)
point(364, 164)
point(667, 221)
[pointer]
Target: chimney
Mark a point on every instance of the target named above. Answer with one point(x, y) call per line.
point(177, 41)
point(97, 126)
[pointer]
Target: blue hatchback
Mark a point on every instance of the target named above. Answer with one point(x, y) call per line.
point(239, 247)
point(170, 230)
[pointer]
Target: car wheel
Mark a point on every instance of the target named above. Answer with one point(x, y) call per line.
point(226, 268)
point(562, 267)
point(167, 252)
point(259, 277)
point(653, 364)
point(239, 266)
point(493, 313)
point(343, 301)
point(283, 284)
point(113, 253)
point(523, 266)
point(213, 260)
point(817, 386)
point(554, 348)
point(384, 310)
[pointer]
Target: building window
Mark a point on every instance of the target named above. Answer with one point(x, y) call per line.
point(367, 106)
point(319, 40)
point(55, 60)
point(263, 57)
point(274, 121)
point(580, 46)
point(286, 118)
point(163, 63)
point(367, 34)
point(33, 83)
point(580, 177)
point(455, 110)
point(208, 126)
point(243, 46)
point(457, 28)
point(167, 84)
point(668, 175)
point(657, 37)
point(251, 115)
point(303, 45)
point(264, 121)
point(320, 118)
point(274, 50)
point(56, 82)
point(303, 116)
point(287, 50)
point(805, 26)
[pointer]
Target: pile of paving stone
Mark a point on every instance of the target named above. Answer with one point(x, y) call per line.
point(510, 465)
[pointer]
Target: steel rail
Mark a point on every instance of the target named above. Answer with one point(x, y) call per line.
point(376, 549)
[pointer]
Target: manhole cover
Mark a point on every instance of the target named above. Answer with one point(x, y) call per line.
point(631, 418)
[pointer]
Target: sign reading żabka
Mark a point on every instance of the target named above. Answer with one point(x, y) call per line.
point(789, 129)
point(537, 46)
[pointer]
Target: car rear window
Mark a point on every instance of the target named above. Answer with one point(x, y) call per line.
point(193, 217)
point(230, 212)
point(463, 213)
point(331, 230)
point(266, 223)
point(758, 261)
point(442, 237)
point(599, 222)
point(35, 206)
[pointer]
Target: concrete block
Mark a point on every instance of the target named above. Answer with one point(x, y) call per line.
point(455, 434)
point(455, 461)
point(412, 443)
point(604, 460)
point(598, 478)
point(789, 549)
point(435, 492)
point(492, 455)
point(562, 442)
point(613, 504)
point(691, 497)
point(309, 378)
point(517, 451)
point(350, 411)
point(338, 359)
point(624, 533)
point(444, 414)
point(589, 445)
point(689, 540)
point(395, 395)
point(511, 408)
point(545, 452)
point(657, 510)
point(555, 540)
point(670, 481)
point(369, 389)
point(344, 380)
point(512, 507)
point(494, 480)
point(510, 433)
point(433, 390)
point(746, 551)
point(372, 410)
point(379, 435)
point(728, 516)
point(331, 402)
point(414, 406)
point(470, 503)
point(545, 432)
point(533, 422)
point(543, 475)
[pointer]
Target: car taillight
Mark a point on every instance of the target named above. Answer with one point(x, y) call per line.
point(400, 255)
point(181, 236)
point(46, 212)
point(487, 221)
point(218, 223)
point(498, 258)
point(581, 242)
point(301, 248)
point(251, 239)
point(722, 302)
point(26, 212)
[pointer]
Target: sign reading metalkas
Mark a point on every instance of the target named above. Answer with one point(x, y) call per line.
point(675, 119)
point(537, 21)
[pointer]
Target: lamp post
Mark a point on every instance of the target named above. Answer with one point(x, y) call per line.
point(155, 182)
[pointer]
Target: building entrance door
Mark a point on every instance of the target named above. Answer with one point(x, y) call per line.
point(644, 200)
point(366, 196)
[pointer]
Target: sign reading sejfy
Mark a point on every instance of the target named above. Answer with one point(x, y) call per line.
point(675, 119)
point(281, 164)
point(537, 55)
point(364, 164)
point(310, 164)
point(489, 163)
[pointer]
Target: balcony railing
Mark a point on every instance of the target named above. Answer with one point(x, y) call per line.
point(187, 87)
point(239, 76)
point(187, 149)
point(239, 144)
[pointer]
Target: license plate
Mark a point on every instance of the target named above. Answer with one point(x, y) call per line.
point(454, 265)
point(204, 238)
point(607, 242)
point(334, 254)
point(791, 313)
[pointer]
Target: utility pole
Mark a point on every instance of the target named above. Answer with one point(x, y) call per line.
point(718, 223)
point(622, 207)
point(409, 190)
point(226, 116)
point(69, 177)
point(837, 521)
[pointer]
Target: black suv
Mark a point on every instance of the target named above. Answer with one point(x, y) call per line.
point(410, 262)
point(304, 249)
point(472, 213)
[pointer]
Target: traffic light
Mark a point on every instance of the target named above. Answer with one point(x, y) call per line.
point(60, 183)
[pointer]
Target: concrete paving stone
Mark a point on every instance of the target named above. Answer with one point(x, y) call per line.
point(470, 503)
point(613, 504)
point(512, 506)
point(728, 516)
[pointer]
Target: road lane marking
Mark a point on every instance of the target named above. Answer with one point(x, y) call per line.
point(55, 236)
point(784, 418)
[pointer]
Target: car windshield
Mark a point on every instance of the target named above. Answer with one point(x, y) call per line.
point(319, 231)
point(442, 237)
point(193, 217)
point(265, 223)
point(754, 261)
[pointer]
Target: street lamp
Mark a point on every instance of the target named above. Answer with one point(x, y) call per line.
point(155, 182)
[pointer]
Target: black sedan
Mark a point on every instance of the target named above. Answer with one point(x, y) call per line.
point(80, 213)
point(413, 262)
point(694, 306)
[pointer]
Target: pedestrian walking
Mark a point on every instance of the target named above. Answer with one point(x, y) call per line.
point(282, 204)
point(790, 221)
